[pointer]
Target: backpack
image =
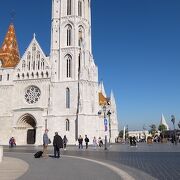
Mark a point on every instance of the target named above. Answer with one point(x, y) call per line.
point(38, 154)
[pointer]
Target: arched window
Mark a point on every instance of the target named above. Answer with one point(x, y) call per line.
point(69, 7)
point(80, 36)
point(79, 8)
point(7, 77)
point(67, 125)
point(0, 77)
point(28, 55)
point(23, 65)
point(79, 62)
point(68, 66)
point(69, 31)
point(67, 98)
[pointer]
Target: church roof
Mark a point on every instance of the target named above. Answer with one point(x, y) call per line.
point(9, 52)
point(102, 99)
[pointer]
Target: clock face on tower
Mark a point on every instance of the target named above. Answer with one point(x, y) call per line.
point(32, 94)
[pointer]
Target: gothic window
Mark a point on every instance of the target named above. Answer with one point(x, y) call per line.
point(38, 64)
point(32, 94)
point(7, 77)
point(33, 65)
point(38, 55)
point(80, 36)
point(27, 75)
point(79, 62)
point(69, 4)
point(69, 35)
point(79, 8)
point(68, 66)
point(67, 98)
point(18, 76)
point(42, 74)
point(67, 125)
point(42, 64)
point(23, 65)
point(0, 77)
point(47, 74)
point(29, 66)
point(28, 56)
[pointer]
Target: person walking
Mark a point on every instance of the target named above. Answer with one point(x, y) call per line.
point(45, 143)
point(57, 143)
point(94, 142)
point(86, 141)
point(65, 140)
point(80, 140)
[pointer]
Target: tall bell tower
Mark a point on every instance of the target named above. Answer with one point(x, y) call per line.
point(71, 49)
point(74, 74)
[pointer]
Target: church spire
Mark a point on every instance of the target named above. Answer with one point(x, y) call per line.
point(9, 52)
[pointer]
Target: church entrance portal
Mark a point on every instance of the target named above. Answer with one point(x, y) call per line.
point(28, 123)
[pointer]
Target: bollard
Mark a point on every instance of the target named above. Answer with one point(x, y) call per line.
point(1, 153)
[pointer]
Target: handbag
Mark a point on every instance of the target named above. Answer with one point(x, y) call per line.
point(49, 141)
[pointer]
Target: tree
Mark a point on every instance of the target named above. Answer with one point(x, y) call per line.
point(162, 128)
point(153, 129)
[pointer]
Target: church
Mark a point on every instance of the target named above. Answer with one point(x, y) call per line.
point(59, 92)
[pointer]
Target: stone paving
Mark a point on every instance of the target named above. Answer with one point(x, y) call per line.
point(156, 161)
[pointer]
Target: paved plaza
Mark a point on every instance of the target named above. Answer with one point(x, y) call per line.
point(120, 161)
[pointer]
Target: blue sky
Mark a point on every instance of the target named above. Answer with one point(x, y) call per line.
point(136, 46)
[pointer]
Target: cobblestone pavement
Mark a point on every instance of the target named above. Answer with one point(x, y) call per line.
point(159, 161)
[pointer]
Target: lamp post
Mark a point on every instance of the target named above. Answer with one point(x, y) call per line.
point(109, 114)
point(173, 121)
point(105, 125)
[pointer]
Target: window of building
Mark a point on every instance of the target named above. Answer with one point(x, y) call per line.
point(0, 77)
point(68, 66)
point(7, 77)
point(79, 8)
point(79, 62)
point(69, 31)
point(67, 98)
point(67, 125)
point(69, 4)
point(80, 37)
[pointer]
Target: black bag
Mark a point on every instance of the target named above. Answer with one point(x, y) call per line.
point(38, 154)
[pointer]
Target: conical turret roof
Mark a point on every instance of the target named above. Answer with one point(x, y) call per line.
point(9, 52)
point(163, 121)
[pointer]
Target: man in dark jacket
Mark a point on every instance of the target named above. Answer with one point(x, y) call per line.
point(57, 143)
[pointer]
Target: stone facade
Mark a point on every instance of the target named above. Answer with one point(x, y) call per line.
point(59, 92)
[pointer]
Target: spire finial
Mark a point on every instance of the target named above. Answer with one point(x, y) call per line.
point(34, 36)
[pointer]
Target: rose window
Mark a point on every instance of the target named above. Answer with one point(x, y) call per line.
point(32, 94)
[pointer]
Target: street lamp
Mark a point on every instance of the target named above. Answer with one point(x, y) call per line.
point(109, 114)
point(105, 125)
point(104, 110)
point(173, 121)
